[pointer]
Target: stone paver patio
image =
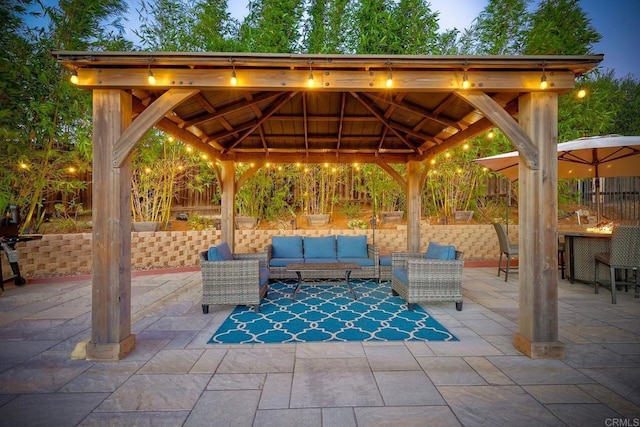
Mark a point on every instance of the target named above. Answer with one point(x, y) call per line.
point(175, 378)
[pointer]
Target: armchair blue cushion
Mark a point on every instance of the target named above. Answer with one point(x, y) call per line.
point(352, 247)
point(220, 252)
point(437, 251)
point(320, 247)
point(287, 246)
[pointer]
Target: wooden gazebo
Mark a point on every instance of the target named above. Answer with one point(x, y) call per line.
point(284, 108)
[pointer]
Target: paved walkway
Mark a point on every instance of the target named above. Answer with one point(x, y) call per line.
point(174, 378)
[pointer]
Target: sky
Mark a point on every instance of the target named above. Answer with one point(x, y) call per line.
point(615, 20)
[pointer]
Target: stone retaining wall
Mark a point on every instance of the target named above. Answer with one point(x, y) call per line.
point(69, 254)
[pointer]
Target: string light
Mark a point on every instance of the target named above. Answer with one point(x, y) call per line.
point(234, 80)
point(465, 81)
point(543, 80)
point(581, 93)
point(310, 78)
point(150, 77)
point(74, 77)
point(389, 76)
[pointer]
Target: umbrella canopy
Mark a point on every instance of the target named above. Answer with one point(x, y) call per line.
point(592, 157)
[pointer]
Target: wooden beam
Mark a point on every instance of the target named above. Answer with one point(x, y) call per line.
point(393, 174)
point(227, 202)
point(272, 110)
point(537, 335)
point(111, 337)
point(372, 109)
point(249, 173)
point(512, 130)
point(414, 202)
point(147, 119)
point(328, 79)
point(250, 103)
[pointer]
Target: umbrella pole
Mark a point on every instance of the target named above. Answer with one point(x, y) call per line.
point(597, 185)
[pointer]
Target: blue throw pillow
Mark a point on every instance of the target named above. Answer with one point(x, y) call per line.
point(320, 247)
point(352, 247)
point(286, 246)
point(437, 251)
point(220, 252)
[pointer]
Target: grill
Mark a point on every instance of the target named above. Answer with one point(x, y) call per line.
point(9, 237)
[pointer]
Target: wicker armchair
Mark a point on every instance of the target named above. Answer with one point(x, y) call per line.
point(238, 281)
point(427, 280)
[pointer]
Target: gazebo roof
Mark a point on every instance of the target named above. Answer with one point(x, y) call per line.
point(350, 114)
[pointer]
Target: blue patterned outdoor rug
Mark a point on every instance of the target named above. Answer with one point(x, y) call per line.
point(328, 312)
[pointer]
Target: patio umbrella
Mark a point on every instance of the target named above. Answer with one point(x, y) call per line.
point(592, 157)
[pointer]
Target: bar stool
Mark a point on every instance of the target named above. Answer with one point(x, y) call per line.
point(561, 257)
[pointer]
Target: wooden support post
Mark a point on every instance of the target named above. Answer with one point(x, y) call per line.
point(414, 201)
point(538, 221)
point(227, 202)
point(111, 337)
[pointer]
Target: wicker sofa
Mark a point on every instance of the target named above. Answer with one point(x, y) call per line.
point(432, 277)
point(233, 278)
point(285, 250)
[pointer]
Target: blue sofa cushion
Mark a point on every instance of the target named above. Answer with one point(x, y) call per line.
point(320, 247)
point(282, 262)
point(220, 252)
point(286, 247)
point(401, 274)
point(362, 262)
point(319, 260)
point(352, 247)
point(264, 276)
point(437, 251)
point(385, 260)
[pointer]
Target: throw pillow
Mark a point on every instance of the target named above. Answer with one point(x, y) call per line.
point(320, 247)
point(437, 251)
point(352, 247)
point(220, 252)
point(286, 246)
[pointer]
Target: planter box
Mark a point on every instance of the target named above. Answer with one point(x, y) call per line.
point(462, 216)
point(145, 226)
point(317, 219)
point(246, 222)
point(393, 217)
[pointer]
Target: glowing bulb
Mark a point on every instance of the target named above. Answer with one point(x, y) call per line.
point(71, 169)
point(23, 165)
point(490, 135)
point(310, 79)
point(543, 81)
point(465, 81)
point(582, 93)
point(234, 80)
point(389, 80)
point(465, 147)
point(74, 77)
point(151, 78)
point(147, 169)
point(189, 149)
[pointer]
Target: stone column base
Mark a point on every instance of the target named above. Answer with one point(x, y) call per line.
point(538, 350)
point(111, 351)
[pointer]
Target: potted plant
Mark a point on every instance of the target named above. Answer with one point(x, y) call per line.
point(157, 169)
point(319, 193)
point(388, 198)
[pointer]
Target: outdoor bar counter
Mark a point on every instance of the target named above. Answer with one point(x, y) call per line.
point(580, 249)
